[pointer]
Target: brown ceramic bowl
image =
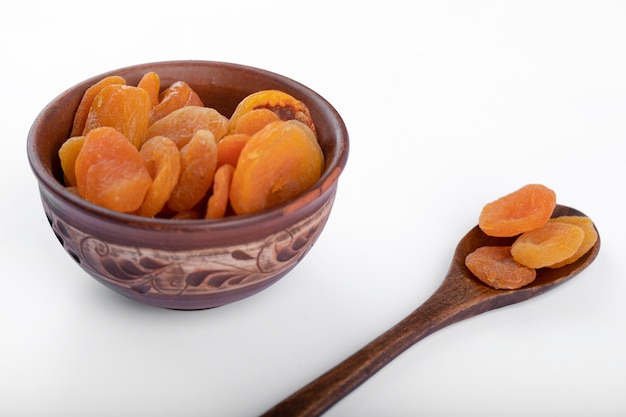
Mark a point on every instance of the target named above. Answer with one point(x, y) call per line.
point(188, 264)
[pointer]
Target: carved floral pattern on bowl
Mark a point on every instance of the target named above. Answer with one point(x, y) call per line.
point(191, 272)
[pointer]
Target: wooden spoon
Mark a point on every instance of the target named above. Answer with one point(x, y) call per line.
point(460, 296)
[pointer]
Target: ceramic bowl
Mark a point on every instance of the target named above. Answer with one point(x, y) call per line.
point(188, 264)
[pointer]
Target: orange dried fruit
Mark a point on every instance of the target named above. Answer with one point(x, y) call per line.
point(176, 96)
point(180, 125)
point(526, 209)
point(125, 108)
point(80, 118)
point(496, 267)
point(590, 238)
point(278, 162)
point(152, 84)
point(547, 245)
point(67, 154)
point(253, 121)
point(163, 162)
point(294, 160)
point(110, 172)
point(198, 162)
point(218, 202)
point(285, 106)
point(229, 148)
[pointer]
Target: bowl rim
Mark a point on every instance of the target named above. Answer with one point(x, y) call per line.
point(326, 183)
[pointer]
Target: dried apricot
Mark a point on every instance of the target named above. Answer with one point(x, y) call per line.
point(163, 162)
point(282, 104)
point(547, 245)
point(526, 209)
point(182, 144)
point(125, 108)
point(198, 161)
point(218, 202)
point(590, 239)
point(176, 96)
point(180, 125)
point(152, 84)
point(495, 266)
point(253, 121)
point(229, 148)
point(80, 118)
point(278, 162)
point(110, 172)
point(67, 154)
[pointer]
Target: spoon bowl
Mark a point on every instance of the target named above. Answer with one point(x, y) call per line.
point(460, 296)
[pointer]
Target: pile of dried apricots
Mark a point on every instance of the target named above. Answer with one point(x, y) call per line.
point(163, 153)
point(540, 241)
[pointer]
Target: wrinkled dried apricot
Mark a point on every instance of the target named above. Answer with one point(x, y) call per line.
point(163, 162)
point(80, 117)
point(125, 108)
point(526, 209)
point(552, 243)
point(547, 245)
point(67, 154)
point(495, 266)
point(590, 238)
point(182, 144)
point(151, 82)
point(253, 121)
point(198, 161)
point(176, 96)
point(282, 104)
point(218, 202)
point(278, 162)
point(229, 148)
point(110, 172)
point(180, 125)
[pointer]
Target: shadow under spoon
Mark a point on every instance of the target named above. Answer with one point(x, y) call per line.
point(460, 296)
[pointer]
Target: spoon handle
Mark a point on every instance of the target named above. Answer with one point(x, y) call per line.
point(449, 304)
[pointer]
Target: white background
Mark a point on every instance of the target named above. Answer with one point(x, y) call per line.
point(449, 105)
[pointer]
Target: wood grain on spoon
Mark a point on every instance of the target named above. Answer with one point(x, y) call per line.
point(460, 296)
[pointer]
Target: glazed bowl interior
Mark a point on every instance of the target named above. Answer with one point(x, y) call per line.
point(220, 86)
